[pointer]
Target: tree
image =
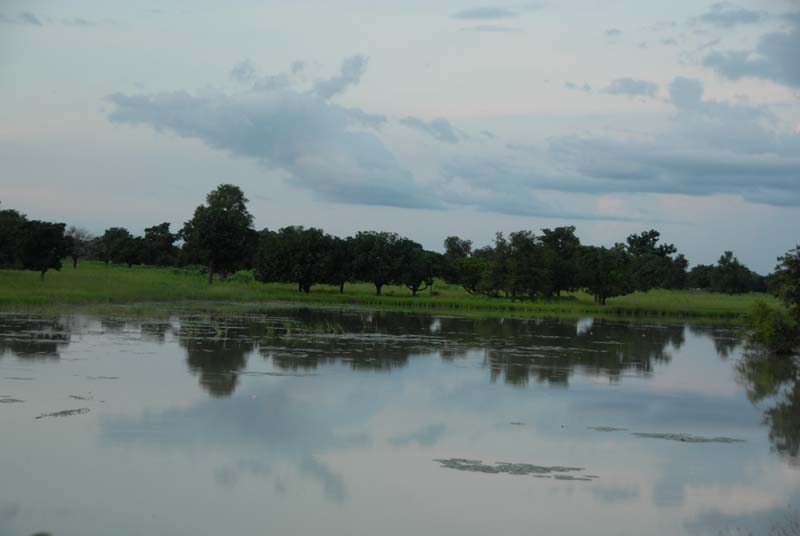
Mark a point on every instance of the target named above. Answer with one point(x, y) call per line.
point(455, 251)
point(471, 272)
point(80, 243)
point(604, 271)
point(42, 246)
point(527, 275)
point(115, 245)
point(294, 254)
point(339, 262)
point(417, 267)
point(376, 258)
point(733, 277)
point(11, 230)
point(561, 255)
point(158, 247)
point(221, 234)
point(652, 264)
point(787, 281)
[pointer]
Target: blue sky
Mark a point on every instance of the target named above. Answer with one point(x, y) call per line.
point(426, 118)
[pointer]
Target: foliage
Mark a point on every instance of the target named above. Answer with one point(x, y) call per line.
point(11, 230)
point(220, 234)
point(81, 244)
point(97, 283)
point(603, 272)
point(294, 254)
point(772, 328)
point(787, 281)
point(42, 246)
point(728, 275)
point(377, 258)
point(158, 246)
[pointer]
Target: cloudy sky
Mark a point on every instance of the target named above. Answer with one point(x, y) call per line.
point(428, 118)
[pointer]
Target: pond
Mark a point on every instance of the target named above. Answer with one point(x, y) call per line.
point(345, 422)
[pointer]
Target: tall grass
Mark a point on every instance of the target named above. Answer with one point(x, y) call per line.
point(95, 283)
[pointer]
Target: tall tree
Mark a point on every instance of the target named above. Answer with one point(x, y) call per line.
point(787, 275)
point(221, 234)
point(80, 243)
point(604, 271)
point(417, 267)
point(561, 255)
point(455, 251)
point(11, 231)
point(115, 245)
point(376, 258)
point(294, 254)
point(42, 246)
point(339, 267)
point(158, 247)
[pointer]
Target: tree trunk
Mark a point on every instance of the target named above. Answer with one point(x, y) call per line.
point(299, 286)
point(413, 291)
point(74, 261)
point(41, 278)
point(341, 287)
point(378, 287)
point(210, 273)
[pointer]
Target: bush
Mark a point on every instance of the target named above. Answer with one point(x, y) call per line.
point(772, 328)
point(242, 276)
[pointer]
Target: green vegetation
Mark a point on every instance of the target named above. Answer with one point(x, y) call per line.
point(95, 283)
point(527, 273)
point(776, 328)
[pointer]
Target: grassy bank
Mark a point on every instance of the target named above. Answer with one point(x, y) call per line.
point(95, 284)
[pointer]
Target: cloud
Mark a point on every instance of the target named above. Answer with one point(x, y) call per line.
point(586, 88)
point(629, 86)
point(727, 15)
point(311, 139)
point(426, 436)
point(439, 127)
point(711, 147)
point(350, 73)
point(23, 17)
point(774, 58)
point(29, 19)
point(491, 28)
point(485, 13)
point(243, 71)
point(338, 154)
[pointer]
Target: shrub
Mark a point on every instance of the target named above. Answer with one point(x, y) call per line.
point(772, 328)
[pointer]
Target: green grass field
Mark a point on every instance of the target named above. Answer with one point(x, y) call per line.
point(95, 284)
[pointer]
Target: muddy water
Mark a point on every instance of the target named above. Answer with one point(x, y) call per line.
point(298, 421)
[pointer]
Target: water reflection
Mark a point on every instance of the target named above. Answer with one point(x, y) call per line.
point(33, 337)
point(342, 413)
point(774, 384)
point(217, 349)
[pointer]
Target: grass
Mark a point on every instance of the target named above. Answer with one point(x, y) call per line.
point(96, 285)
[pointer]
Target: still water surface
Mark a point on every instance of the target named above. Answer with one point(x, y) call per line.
point(300, 421)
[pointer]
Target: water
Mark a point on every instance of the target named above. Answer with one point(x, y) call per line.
point(299, 421)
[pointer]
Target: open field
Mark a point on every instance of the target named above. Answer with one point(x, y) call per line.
point(94, 283)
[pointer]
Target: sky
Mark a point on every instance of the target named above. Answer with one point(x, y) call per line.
point(427, 118)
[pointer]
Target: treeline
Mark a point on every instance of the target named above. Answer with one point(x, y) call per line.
point(522, 265)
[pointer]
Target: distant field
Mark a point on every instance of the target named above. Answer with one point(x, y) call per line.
point(94, 283)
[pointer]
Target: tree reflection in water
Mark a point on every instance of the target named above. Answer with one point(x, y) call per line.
point(548, 351)
point(34, 337)
point(774, 382)
point(217, 349)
